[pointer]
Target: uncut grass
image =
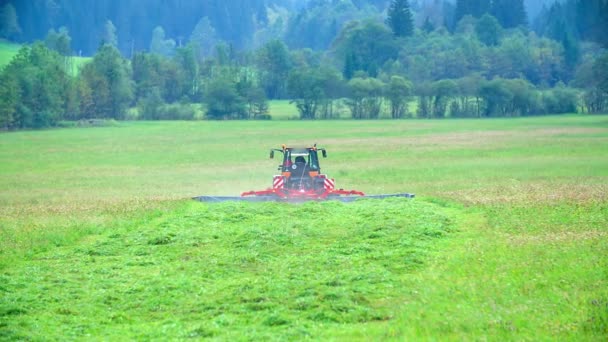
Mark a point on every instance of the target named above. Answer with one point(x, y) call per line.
point(226, 270)
point(518, 273)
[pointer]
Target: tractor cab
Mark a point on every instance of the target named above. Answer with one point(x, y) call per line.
point(300, 165)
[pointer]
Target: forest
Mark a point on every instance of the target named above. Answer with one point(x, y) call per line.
point(360, 59)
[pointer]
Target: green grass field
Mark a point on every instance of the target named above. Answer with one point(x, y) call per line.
point(9, 50)
point(507, 238)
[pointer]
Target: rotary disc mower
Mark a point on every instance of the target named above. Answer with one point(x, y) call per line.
point(300, 180)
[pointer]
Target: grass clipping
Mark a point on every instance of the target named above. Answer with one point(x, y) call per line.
point(227, 270)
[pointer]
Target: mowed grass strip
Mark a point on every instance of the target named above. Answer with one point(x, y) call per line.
point(232, 270)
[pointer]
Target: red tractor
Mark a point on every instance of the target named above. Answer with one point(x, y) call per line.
point(301, 177)
point(300, 180)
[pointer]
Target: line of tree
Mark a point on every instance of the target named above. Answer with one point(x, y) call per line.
point(478, 69)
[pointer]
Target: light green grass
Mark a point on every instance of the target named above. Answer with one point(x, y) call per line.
point(78, 63)
point(506, 240)
point(7, 52)
point(283, 110)
point(286, 110)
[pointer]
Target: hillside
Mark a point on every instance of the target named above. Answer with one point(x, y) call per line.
point(239, 22)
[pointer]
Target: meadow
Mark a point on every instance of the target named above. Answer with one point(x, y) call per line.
point(9, 50)
point(507, 238)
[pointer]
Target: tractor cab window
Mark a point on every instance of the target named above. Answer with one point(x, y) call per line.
point(313, 160)
point(308, 157)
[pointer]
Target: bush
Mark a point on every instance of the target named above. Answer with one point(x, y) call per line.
point(560, 100)
point(152, 107)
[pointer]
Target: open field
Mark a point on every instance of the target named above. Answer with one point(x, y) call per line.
point(7, 52)
point(286, 110)
point(506, 240)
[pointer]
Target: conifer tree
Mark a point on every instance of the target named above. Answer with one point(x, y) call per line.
point(476, 8)
point(400, 18)
point(510, 13)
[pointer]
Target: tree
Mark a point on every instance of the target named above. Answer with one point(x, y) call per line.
point(204, 37)
point(496, 97)
point(428, 26)
point(510, 13)
point(224, 101)
point(186, 58)
point(488, 30)
point(398, 92)
point(34, 89)
point(150, 106)
point(9, 24)
point(313, 90)
point(10, 97)
point(109, 76)
point(400, 18)
point(59, 41)
point(468, 90)
point(592, 20)
point(274, 63)
point(475, 8)
point(443, 91)
point(366, 46)
point(365, 97)
point(109, 34)
point(159, 44)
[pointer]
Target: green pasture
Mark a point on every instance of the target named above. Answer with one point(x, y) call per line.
point(507, 238)
point(287, 110)
point(7, 52)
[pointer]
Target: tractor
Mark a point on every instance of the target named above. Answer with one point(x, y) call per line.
point(300, 179)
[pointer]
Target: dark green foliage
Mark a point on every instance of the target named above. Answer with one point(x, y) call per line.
point(365, 46)
point(592, 19)
point(59, 41)
point(274, 63)
point(400, 18)
point(443, 91)
point(133, 21)
point(509, 98)
point(108, 76)
point(398, 92)
point(596, 96)
point(313, 91)
point(488, 30)
point(223, 100)
point(9, 23)
point(35, 85)
point(560, 100)
point(435, 98)
point(204, 38)
point(428, 25)
point(365, 97)
point(160, 45)
point(108, 36)
point(475, 8)
point(510, 13)
point(10, 98)
point(318, 24)
point(257, 103)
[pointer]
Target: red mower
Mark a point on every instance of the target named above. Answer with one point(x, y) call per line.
point(300, 180)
